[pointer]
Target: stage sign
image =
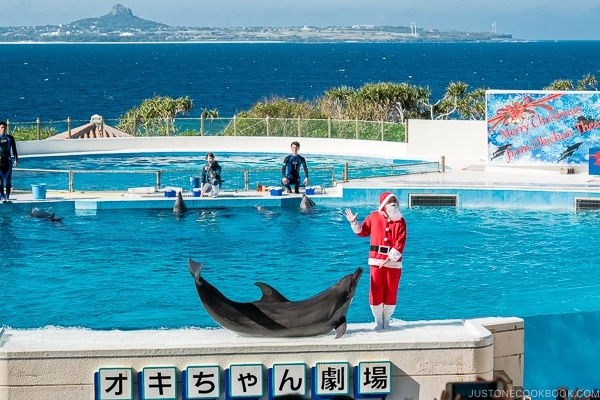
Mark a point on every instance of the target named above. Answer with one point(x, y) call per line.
point(541, 128)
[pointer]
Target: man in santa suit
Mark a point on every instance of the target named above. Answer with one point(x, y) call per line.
point(387, 229)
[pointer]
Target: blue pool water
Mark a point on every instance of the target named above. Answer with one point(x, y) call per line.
point(263, 168)
point(127, 269)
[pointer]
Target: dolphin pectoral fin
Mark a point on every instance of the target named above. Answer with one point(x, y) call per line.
point(341, 329)
point(270, 294)
point(195, 268)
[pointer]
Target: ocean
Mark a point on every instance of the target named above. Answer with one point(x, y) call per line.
point(56, 81)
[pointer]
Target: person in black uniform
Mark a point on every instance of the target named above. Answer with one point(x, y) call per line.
point(211, 176)
point(290, 171)
point(8, 158)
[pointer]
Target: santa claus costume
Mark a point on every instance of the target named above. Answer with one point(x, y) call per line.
point(387, 229)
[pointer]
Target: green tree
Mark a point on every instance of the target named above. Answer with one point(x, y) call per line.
point(211, 114)
point(155, 116)
point(383, 101)
point(335, 100)
point(560, 84)
point(278, 107)
point(587, 82)
point(458, 101)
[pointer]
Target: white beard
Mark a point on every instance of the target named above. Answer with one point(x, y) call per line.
point(393, 212)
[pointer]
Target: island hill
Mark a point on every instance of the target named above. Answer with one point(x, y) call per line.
point(120, 25)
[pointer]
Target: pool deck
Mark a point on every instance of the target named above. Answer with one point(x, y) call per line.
point(471, 177)
point(481, 177)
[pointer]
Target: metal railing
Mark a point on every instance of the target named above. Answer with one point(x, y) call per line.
point(235, 178)
point(201, 126)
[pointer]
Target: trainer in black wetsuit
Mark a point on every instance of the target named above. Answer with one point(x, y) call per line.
point(290, 171)
point(8, 152)
point(211, 176)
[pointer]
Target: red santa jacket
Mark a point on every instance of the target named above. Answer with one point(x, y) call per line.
point(385, 235)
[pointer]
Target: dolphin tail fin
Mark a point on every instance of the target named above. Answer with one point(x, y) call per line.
point(341, 328)
point(195, 267)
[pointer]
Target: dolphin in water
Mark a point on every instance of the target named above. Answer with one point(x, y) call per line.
point(306, 203)
point(179, 207)
point(39, 213)
point(274, 315)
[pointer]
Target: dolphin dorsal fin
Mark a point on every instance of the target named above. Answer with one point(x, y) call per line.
point(270, 293)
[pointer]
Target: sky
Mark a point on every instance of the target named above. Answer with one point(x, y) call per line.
point(524, 19)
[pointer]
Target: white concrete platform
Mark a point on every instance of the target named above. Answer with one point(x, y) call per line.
point(424, 355)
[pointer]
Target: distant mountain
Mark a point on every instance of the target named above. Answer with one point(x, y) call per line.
point(120, 18)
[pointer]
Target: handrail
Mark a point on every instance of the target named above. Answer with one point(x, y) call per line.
point(324, 175)
point(160, 172)
point(70, 129)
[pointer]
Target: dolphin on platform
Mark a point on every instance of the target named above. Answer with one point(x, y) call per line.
point(306, 203)
point(179, 207)
point(276, 316)
point(39, 213)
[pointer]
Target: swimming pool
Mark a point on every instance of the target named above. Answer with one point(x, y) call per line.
point(126, 170)
point(92, 270)
point(127, 269)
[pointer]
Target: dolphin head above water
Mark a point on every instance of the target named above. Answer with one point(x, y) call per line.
point(179, 206)
point(306, 203)
point(276, 316)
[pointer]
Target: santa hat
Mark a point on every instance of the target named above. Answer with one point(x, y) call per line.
point(384, 198)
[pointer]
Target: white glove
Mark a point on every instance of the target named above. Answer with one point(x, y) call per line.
point(394, 255)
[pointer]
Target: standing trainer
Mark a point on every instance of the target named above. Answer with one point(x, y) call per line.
point(8, 152)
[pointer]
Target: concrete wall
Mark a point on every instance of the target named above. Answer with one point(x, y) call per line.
point(461, 142)
point(216, 144)
point(425, 355)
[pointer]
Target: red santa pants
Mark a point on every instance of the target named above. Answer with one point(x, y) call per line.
point(384, 285)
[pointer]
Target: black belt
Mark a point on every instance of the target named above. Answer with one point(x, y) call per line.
point(380, 249)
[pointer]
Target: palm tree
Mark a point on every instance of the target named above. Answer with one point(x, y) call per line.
point(459, 101)
point(588, 82)
point(560, 84)
point(335, 100)
point(155, 115)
